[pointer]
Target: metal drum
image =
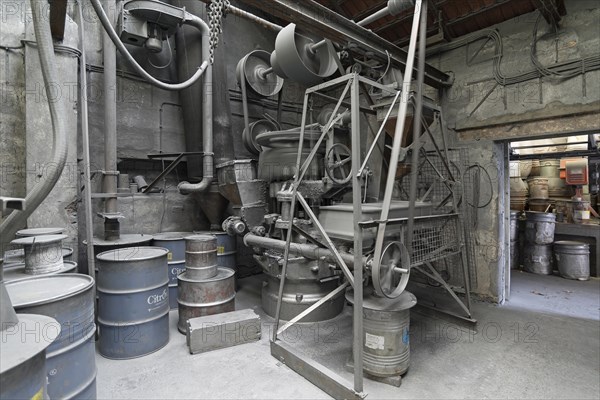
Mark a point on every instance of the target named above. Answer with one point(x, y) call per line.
point(537, 259)
point(18, 271)
point(201, 257)
point(550, 168)
point(538, 188)
point(386, 334)
point(175, 268)
point(71, 358)
point(125, 241)
point(174, 242)
point(133, 304)
point(306, 283)
point(43, 254)
point(540, 228)
point(226, 248)
point(514, 225)
point(40, 232)
point(573, 260)
point(206, 297)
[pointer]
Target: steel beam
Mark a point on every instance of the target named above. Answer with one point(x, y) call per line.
point(318, 19)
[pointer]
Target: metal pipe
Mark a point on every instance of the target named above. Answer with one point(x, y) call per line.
point(375, 16)
point(418, 112)
point(109, 179)
point(40, 191)
point(251, 17)
point(85, 134)
point(310, 251)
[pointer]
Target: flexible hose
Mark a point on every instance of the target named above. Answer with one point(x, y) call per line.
point(197, 22)
point(17, 219)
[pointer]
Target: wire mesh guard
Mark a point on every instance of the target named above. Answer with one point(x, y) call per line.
point(435, 238)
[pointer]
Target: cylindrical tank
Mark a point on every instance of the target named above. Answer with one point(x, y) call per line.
point(125, 241)
point(71, 359)
point(540, 228)
point(386, 325)
point(206, 297)
point(175, 268)
point(226, 248)
point(538, 188)
point(306, 283)
point(133, 304)
point(43, 254)
point(573, 260)
point(537, 259)
point(201, 257)
point(174, 242)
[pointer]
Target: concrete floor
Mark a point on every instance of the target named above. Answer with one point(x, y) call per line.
point(544, 343)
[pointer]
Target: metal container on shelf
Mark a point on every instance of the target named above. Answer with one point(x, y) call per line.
point(205, 297)
point(538, 188)
point(537, 259)
point(573, 260)
point(71, 358)
point(386, 326)
point(540, 228)
point(525, 168)
point(226, 248)
point(201, 257)
point(535, 168)
point(133, 304)
point(518, 203)
point(550, 168)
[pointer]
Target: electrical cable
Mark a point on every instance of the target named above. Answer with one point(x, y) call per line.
point(170, 57)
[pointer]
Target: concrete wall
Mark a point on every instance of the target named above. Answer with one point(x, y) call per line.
point(534, 108)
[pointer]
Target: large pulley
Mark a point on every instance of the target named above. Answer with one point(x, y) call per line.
point(391, 277)
point(337, 164)
point(256, 69)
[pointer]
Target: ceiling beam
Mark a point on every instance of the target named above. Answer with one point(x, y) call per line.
point(318, 19)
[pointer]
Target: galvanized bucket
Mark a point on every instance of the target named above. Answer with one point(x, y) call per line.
point(540, 228)
point(514, 225)
point(537, 259)
point(71, 358)
point(573, 260)
point(133, 301)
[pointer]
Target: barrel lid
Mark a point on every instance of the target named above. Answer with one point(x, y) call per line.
point(125, 239)
point(133, 254)
point(43, 289)
point(574, 244)
point(222, 274)
point(40, 231)
point(44, 239)
point(15, 272)
point(215, 233)
point(205, 237)
point(403, 302)
point(172, 236)
point(536, 215)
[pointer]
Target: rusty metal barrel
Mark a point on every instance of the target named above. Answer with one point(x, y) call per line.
point(133, 301)
point(201, 256)
point(211, 296)
point(71, 358)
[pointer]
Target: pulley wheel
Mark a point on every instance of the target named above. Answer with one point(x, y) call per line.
point(256, 128)
point(288, 138)
point(394, 262)
point(255, 66)
point(338, 164)
point(297, 57)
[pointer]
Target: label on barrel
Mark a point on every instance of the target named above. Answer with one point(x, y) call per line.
point(169, 256)
point(374, 342)
point(221, 250)
point(39, 395)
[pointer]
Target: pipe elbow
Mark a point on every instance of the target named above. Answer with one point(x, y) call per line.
point(189, 188)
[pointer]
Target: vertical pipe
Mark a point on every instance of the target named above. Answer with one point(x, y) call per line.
point(357, 345)
point(87, 198)
point(109, 180)
point(417, 127)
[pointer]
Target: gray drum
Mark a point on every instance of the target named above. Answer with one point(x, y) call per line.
point(226, 248)
point(573, 260)
point(175, 268)
point(43, 254)
point(540, 228)
point(205, 297)
point(174, 242)
point(537, 259)
point(133, 303)
point(201, 256)
point(18, 271)
point(386, 334)
point(40, 232)
point(71, 358)
point(514, 225)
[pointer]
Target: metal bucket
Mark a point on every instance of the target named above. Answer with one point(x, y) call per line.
point(540, 228)
point(226, 249)
point(206, 297)
point(133, 304)
point(201, 257)
point(514, 255)
point(550, 168)
point(71, 358)
point(386, 325)
point(573, 260)
point(538, 188)
point(537, 259)
point(174, 242)
point(514, 225)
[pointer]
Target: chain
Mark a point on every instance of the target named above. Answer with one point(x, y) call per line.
point(216, 11)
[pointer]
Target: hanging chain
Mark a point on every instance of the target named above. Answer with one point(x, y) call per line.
point(216, 11)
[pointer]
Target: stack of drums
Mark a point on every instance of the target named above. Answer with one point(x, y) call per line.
point(71, 358)
point(175, 243)
point(539, 236)
point(226, 248)
point(43, 255)
point(539, 198)
point(573, 260)
point(204, 288)
point(514, 240)
point(133, 301)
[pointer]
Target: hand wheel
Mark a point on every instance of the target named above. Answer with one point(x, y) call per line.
point(336, 164)
point(394, 261)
